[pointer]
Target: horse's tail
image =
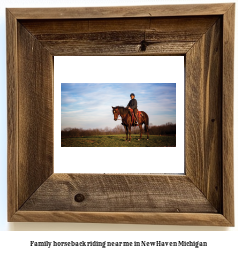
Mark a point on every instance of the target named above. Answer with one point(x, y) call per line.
point(147, 126)
point(146, 122)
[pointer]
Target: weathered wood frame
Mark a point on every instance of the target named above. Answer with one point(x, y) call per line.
point(204, 34)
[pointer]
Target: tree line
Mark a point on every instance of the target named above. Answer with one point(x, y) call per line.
point(165, 129)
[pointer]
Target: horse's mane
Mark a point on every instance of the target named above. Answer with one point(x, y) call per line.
point(122, 110)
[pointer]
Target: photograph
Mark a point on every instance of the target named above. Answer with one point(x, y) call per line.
point(118, 115)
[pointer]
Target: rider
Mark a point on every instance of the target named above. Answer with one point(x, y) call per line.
point(133, 105)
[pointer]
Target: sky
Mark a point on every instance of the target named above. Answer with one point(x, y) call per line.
point(89, 105)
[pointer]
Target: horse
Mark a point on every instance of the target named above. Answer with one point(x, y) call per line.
point(143, 118)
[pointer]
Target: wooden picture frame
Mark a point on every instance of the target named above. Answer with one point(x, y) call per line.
point(204, 34)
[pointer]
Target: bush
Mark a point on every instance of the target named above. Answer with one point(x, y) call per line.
point(165, 129)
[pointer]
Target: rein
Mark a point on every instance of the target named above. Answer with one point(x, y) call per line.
point(118, 114)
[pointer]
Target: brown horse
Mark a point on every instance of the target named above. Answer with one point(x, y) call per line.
point(127, 121)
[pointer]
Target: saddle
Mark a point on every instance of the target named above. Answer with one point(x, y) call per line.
point(139, 114)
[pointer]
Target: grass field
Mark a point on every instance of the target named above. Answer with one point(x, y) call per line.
point(119, 141)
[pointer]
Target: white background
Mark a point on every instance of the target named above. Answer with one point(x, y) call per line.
point(156, 69)
point(19, 241)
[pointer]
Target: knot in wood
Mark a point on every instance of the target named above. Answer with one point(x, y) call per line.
point(79, 198)
point(143, 45)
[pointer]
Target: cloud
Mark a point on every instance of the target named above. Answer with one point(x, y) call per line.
point(66, 100)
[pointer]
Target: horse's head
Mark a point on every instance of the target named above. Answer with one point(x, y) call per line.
point(115, 112)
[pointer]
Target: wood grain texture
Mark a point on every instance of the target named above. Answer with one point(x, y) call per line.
point(227, 113)
point(12, 116)
point(179, 25)
point(192, 219)
point(141, 193)
point(204, 196)
point(73, 48)
point(35, 114)
point(203, 114)
point(121, 11)
point(173, 36)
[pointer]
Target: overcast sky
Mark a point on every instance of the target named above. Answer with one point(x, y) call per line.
point(89, 105)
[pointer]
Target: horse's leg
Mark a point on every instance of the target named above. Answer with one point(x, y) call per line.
point(147, 130)
point(129, 127)
point(147, 127)
point(126, 130)
point(140, 131)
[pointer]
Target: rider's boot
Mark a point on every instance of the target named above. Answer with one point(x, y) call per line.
point(137, 120)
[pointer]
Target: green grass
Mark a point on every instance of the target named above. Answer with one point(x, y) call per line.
point(119, 141)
